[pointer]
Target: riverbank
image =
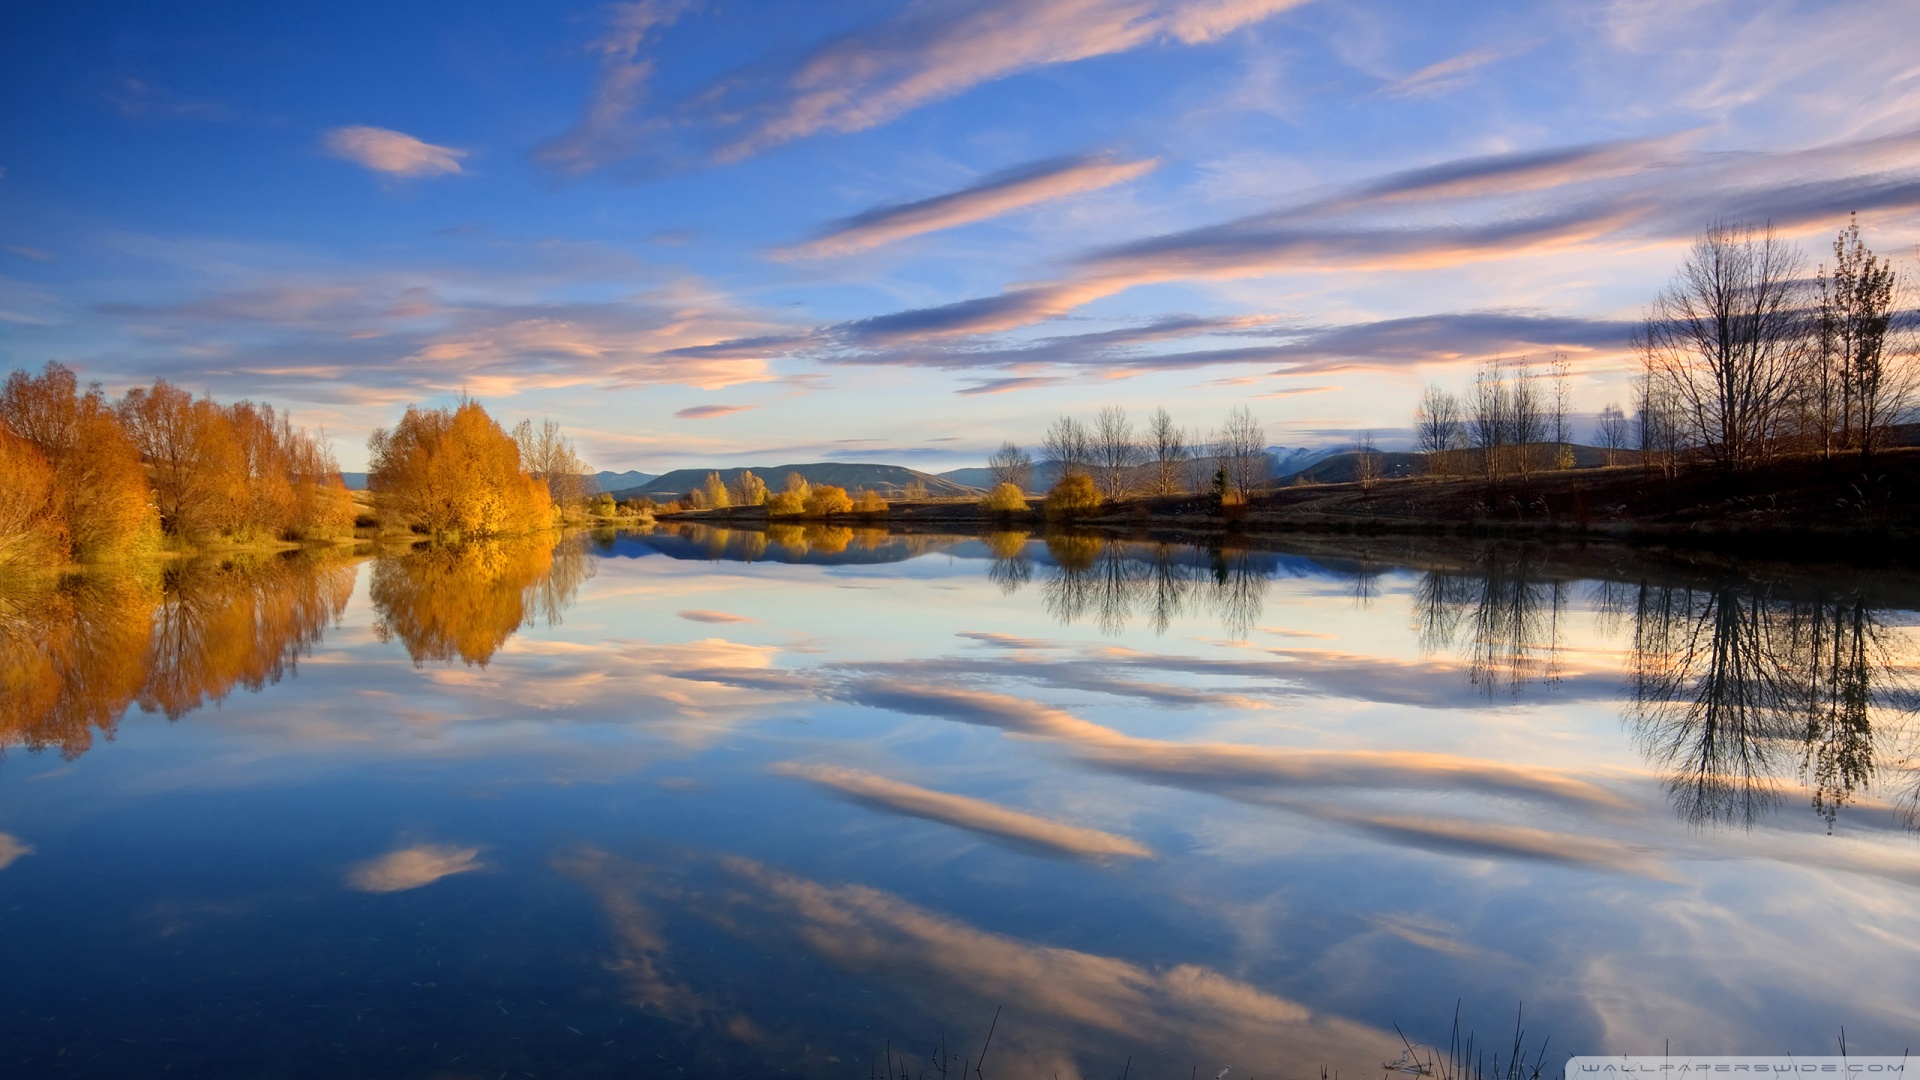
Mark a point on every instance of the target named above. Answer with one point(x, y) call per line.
point(1793, 507)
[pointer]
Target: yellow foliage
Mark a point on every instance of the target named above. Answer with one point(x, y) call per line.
point(786, 503)
point(454, 472)
point(73, 655)
point(749, 490)
point(1074, 495)
point(466, 600)
point(869, 502)
point(827, 499)
point(1006, 545)
point(716, 493)
point(1004, 498)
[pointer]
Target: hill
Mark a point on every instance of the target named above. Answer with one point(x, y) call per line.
point(889, 480)
point(608, 481)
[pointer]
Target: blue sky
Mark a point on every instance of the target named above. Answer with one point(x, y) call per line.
point(734, 233)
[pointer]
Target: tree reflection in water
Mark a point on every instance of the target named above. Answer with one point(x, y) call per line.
point(1503, 614)
point(1112, 581)
point(1734, 690)
point(76, 652)
point(465, 600)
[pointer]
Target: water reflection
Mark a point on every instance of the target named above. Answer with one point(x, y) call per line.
point(75, 653)
point(1501, 612)
point(1111, 582)
point(464, 601)
point(1733, 691)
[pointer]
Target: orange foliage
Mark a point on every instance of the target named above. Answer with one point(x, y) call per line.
point(465, 601)
point(869, 502)
point(76, 653)
point(32, 530)
point(453, 472)
point(100, 485)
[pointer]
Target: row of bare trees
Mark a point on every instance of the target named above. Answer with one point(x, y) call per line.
point(1513, 422)
point(1158, 458)
point(1744, 359)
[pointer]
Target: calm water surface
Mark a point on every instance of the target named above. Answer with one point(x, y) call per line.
point(750, 804)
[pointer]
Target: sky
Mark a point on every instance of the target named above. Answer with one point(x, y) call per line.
point(728, 233)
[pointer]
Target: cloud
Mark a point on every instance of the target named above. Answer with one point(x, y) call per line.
point(1008, 385)
point(413, 867)
point(139, 99)
point(1445, 75)
point(34, 253)
point(392, 152)
point(975, 815)
point(1002, 193)
point(710, 412)
point(11, 849)
point(1227, 765)
point(605, 133)
point(1553, 201)
point(1074, 1009)
point(695, 615)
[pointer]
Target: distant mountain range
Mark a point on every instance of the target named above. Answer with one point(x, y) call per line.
point(891, 481)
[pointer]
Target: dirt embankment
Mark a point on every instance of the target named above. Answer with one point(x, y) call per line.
point(1802, 504)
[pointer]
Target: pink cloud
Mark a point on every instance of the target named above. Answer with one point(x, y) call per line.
point(709, 412)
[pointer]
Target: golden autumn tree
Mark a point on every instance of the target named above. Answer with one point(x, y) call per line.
point(193, 456)
point(101, 487)
point(454, 472)
point(827, 499)
point(33, 533)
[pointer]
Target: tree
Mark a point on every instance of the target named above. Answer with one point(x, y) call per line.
point(1367, 462)
point(1528, 419)
point(1658, 426)
point(1862, 376)
point(454, 472)
point(1240, 446)
point(1115, 452)
point(1726, 340)
point(714, 492)
point(1559, 401)
point(1011, 465)
point(869, 502)
point(1436, 426)
point(825, 500)
point(1487, 426)
point(1075, 494)
point(792, 500)
point(193, 456)
point(748, 489)
point(1004, 499)
point(549, 457)
point(1612, 431)
point(101, 488)
point(1067, 447)
point(1167, 445)
point(32, 531)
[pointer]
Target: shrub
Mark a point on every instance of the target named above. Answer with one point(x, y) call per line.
point(788, 503)
point(1072, 496)
point(827, 499)
point(869, 502)
point(1004, 499)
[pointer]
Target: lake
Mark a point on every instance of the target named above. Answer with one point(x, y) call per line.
point(839, 803)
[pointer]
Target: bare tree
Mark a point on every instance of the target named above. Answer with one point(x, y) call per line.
point(1067, 447)
point(549, 457)
point(1559, 401)
point(1011, 465)
point(1437, 426)
point(1862, 375)
point(1116, 453)
point(1367, 463)
point(1240, 446)
point(1168, 446)
point(1612, 431)
point(1659, 428)
point(1527, 419)
point(1487, 426)
point(1726, 341)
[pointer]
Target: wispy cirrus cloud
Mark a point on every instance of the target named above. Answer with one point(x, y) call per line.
point(1003, 193)
point(872, 75)
point(1446, 75)
point(607, 131)
point(394, 153)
